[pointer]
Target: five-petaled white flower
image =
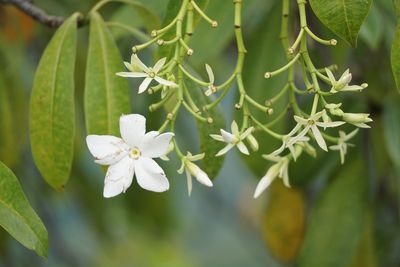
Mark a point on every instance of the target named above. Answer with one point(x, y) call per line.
point(137, 69)
point(312, 124)
point(211, 87)
point(342, 145)
point(343, 83)
point(233, 139)
point(133, 154)
point(192, 169)
point(279, 169)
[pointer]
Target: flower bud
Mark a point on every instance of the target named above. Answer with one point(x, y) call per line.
point(356, 117)
point(252, 142)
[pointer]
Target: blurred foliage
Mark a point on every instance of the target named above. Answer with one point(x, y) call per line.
point(338, 216)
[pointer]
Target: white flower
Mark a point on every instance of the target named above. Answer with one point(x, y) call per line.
point(279, 169)
point(289, 144)
point(233, 139)
point(343, 83)
point(357, 119)
point(133, 154)
point(312, 124)
point(211, 87)
point(192, 169)
point(137, 69)
point(342, 145)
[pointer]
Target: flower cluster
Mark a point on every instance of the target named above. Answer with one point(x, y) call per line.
point(133, 154)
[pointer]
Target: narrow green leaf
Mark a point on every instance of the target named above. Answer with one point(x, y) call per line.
point(210, 164)
point(337, 221)
point(395, 56)
point(391, 123)
point(17, 216)
point(343, 17)
point(106, 95)
point(52, 108)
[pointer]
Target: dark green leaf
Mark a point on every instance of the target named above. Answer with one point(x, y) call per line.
point(395, 56)
point(337, 221)
point(106, 94)
point(52, 109)
point(17, 216)
point(343, 17)
point(210, 164)
point(391, 120)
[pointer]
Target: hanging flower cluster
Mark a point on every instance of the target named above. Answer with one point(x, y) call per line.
point(133, 154)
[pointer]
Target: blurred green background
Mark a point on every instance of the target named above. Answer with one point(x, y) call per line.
point(335, 215)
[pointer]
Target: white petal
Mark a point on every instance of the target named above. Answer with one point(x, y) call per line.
point(330, 76)
point(106, 149)
point(119, 177)
point(200, 175)
point(150, 175)
point(154, 145)
point(132, 74)
point(210, 74)
point(217, 137)
point(330, 124)
point(266, 180)
point(294, 130)
point(144, 85)
point(224, 150)
point(242, 148)
point(137, 62)
point(318, 137)
point(189, 182)
point(298, 137)
point(158, 66)
point(235, 128)
point(165, 82)
point(132, 128)
point(300, 120)
point(228, 137)
point(246, 133)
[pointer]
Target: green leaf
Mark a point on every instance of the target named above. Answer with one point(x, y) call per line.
point(391, 122)
point(210, 164)
point(106, 95)
point(17, 216)
point(343, 17)
point(395, 56)
point(337, 220)
point(52, 108)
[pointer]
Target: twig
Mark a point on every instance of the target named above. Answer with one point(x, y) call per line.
point(38, 14)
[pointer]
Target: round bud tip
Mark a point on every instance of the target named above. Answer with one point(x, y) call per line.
point(267, 75)
point(150, 91)
point(205, 109)
point(210, 120)
point(160, 41)
point(214, 24)
point(170, 116)
point(290, 50)
point(238, 106)
point(270, 111)
point(190, 52)
point(153, 33)
point(134, 50)
point(364, 85)
point(333, 42)
point(151, 108)
point(268, 103)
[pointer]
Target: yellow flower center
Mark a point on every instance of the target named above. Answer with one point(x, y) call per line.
point(135, 153)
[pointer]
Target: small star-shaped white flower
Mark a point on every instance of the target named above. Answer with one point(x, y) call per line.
point(192, 169)
point(342, 143)
point(343, 83)
point(279, 169)
point(137, 69)
point(233, 139)
point(133, 154)
point(312, 123)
